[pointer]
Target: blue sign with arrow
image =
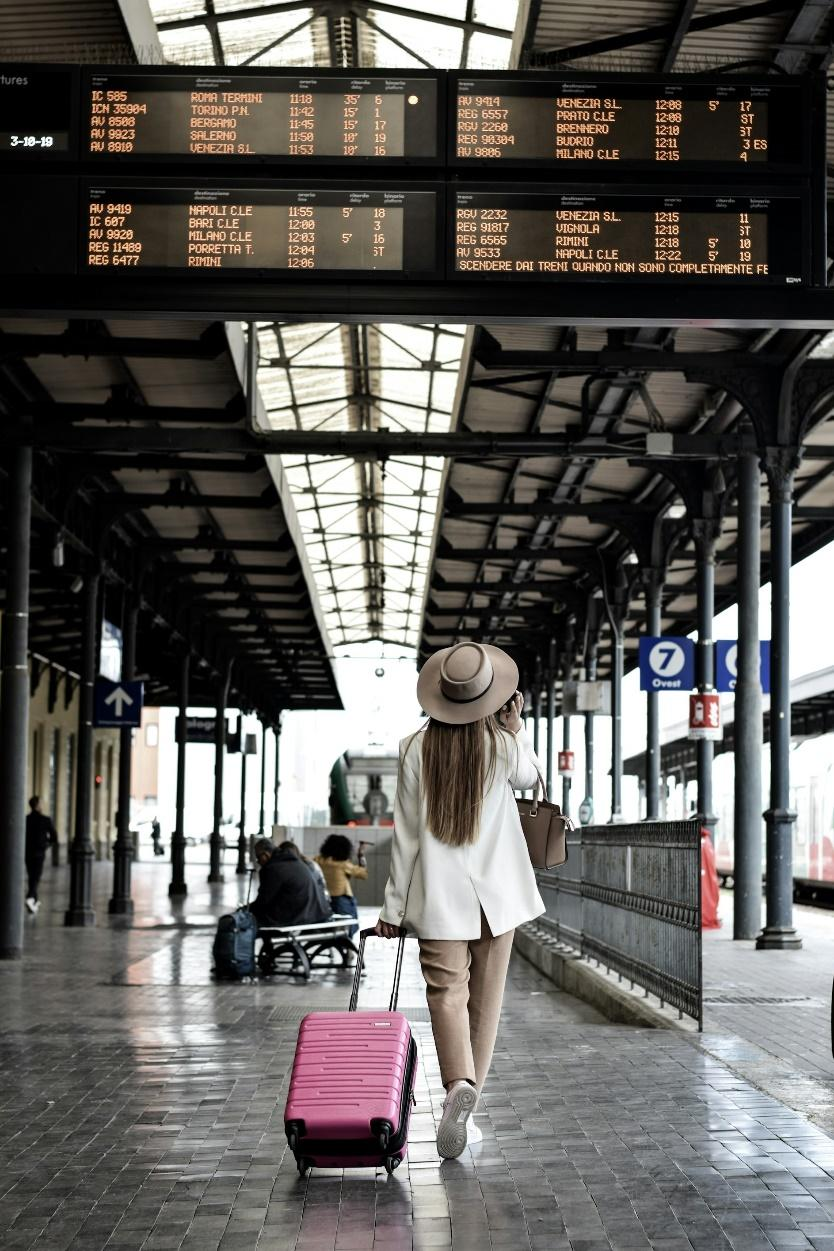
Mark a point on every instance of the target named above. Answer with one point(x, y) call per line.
point(666, 663)
point(117, 704)
point(726, 664)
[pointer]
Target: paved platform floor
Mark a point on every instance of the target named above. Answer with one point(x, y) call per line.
point(141, 1107)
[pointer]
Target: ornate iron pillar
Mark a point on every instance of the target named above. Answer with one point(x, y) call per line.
point(537, 708)
point(121, 903)
point(747, 733)
point(551, 715)
point(262, 813)
point(653, 593)
point(566, 778)
point(277, 770)
point(616, 719)
point(705, 534)
point(590, 676)
point(80, 911)
point(14, 706)
point(178, 886)
point(216, 842)
point(779, 931)
point(241, 838)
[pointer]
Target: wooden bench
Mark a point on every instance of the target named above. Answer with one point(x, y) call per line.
point(304, 944)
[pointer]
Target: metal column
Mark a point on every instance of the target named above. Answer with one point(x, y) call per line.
point(80, 910)
point(262, 814)
point(566, 779)
point(590, 676)
point(653, 591)
point(551, 716)
point(216, 842)
point(779, 931)
point(121, 902)
point(705, 661)
point(747, 859)
point(537, 712)
point(616, 720)
point(277, 771)
point(14, 708)
point(178, 886)
point(242, 866)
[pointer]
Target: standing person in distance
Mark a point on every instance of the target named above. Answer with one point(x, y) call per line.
point(40, 834)
point(461, 878)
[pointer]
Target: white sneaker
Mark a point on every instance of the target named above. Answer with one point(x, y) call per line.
point(452, 1130)
point(474, 1133)
point(32, 904)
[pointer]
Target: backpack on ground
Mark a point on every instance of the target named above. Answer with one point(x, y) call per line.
point(234, 945)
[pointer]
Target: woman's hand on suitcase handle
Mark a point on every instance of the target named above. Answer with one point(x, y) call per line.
point(385, 930)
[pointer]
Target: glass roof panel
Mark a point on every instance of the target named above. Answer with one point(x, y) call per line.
point(367, 525)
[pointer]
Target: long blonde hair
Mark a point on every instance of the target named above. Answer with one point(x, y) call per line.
point(458, 767)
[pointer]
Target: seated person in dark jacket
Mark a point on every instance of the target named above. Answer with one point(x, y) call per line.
point(289, 892)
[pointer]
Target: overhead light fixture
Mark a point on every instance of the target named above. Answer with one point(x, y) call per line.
point(58, 550)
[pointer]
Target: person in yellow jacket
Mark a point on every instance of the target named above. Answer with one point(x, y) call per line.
point(338, 868)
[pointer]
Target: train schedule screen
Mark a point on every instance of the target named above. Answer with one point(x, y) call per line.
point(604, 125)
point(217, 115)
point(358, 232)
point(679, 238)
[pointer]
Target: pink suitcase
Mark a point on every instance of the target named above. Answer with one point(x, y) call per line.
point(352, 1084)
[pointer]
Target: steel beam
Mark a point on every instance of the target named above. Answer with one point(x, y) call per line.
point(630, 304)
point(77, 341)
point(661, 31)
point(747, 726)
point(14, 707)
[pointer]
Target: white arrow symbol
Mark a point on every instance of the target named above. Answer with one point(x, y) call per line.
point(119, 697)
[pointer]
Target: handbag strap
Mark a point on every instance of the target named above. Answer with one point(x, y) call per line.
point(537, 798)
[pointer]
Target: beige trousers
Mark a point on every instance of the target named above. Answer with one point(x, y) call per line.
point(464, 989)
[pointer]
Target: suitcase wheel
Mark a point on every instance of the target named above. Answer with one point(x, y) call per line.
point(304, 1166)
point(391, 1162)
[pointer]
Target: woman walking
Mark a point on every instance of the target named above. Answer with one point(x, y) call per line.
point(461, 878)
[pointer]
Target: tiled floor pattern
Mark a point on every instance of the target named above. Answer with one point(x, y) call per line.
point(141, 1107)
point(797, 1031)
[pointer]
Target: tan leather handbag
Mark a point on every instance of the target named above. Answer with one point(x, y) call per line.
point(545, 829)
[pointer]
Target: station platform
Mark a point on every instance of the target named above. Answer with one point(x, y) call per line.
point(141, 1106)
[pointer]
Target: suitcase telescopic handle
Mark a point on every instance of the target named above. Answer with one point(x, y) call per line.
point(395, 990)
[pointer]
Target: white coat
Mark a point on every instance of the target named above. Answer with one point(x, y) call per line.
point(450, 885)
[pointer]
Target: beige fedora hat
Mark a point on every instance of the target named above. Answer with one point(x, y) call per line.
point(463, 683)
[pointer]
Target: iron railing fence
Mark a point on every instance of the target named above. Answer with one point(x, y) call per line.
point(629, 896)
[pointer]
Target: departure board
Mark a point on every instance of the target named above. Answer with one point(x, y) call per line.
point(361, 232)
point(38, 107)
point(214, 115)
point(611, 235)
point(578, 125)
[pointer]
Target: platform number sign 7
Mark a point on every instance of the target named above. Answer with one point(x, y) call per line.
point(666, 664)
